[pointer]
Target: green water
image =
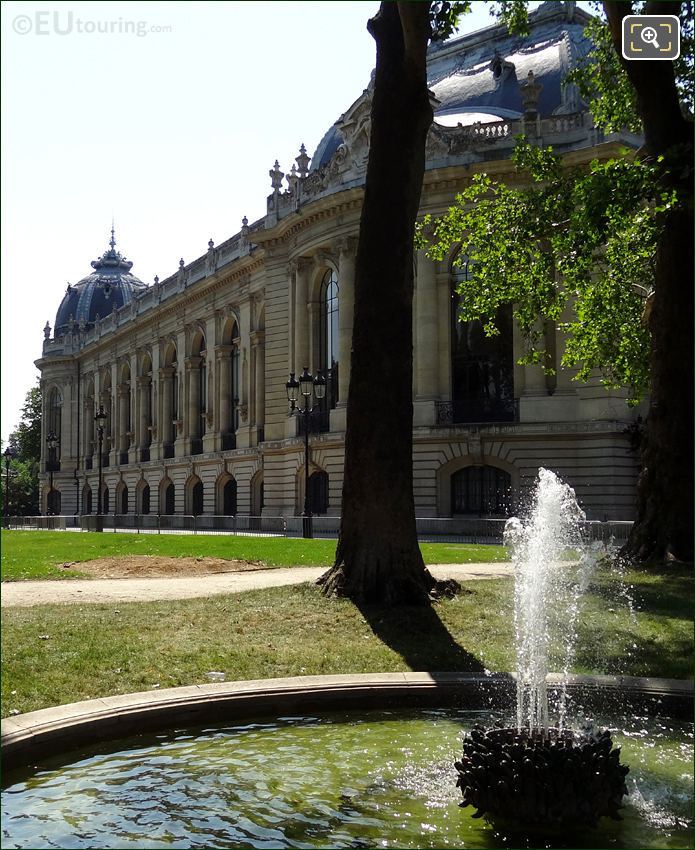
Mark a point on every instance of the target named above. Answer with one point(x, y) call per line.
point(378, 779)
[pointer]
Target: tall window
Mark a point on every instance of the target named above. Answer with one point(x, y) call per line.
point(197, 498)
point(167, 498)
point(318, 492)
point(481, 491)
point(235, 389)
point(229, 498)
point(482, 367)
point(328, 338)
point(55, 408)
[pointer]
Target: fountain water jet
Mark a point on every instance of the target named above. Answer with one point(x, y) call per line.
point(538, 773)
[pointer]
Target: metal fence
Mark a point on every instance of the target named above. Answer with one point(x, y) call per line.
point(429, 529)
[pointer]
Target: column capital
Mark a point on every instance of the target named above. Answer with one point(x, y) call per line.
point(222, 351)
point(300, 264)
point(193, 361)
point(166, 371)
point(345, 245)
point(143, 380)
point(322, 259)
point(257, 337)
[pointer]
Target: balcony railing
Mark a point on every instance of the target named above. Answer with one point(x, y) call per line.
point(228, 442)
point(476, 411)
point(144, 454)
point(123, 458)
point(319, 422)
point(168, 449)
point(196, 446)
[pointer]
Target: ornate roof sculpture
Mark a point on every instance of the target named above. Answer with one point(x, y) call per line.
point(108, 287)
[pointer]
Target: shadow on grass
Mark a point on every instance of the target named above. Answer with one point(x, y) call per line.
point(671, 597)
point(627, 653)
point(421, 639)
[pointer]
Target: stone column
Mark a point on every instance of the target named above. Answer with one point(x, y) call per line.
point(301, 316)
point(427, 340)
point(346, 249)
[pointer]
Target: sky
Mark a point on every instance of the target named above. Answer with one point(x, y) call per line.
point(163, 117)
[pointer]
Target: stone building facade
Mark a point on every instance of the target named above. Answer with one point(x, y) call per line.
point(191, 370)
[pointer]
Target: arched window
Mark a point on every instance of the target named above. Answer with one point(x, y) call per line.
point(166, 499)
point(197, 498)
point(53, 502)
point(229, 498)
point(482, 367)
point(328, 336)
point(318, 492)
point(123, 501)
point(481, 491)
point(105, 500)
point(145, 499)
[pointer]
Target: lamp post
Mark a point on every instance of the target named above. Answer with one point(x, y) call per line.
point(307, 386)
point(100, 417)
point(52, 443)
point(7, 454)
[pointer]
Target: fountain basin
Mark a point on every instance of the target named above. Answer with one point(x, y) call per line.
point(51, 731)
point(321, 779)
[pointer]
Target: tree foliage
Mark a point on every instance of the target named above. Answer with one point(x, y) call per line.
point(604, 85)
point(574, 237)
point(25, 444)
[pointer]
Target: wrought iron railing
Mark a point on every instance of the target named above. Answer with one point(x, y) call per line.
point(319, 422)
point(477, 411)
point(429, 529)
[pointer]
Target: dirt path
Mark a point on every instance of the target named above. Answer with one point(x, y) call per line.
point(24, 593)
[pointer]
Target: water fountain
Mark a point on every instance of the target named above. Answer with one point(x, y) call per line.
point(270, 768)
point(537, 773)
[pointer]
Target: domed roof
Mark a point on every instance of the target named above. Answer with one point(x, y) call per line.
point(476, 77)
point(108, 287)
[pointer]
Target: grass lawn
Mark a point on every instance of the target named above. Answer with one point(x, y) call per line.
point(57, 654)
point(39, 554)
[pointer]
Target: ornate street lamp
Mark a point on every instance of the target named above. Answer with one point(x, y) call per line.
point(307, 386)
point(7, 454)
point(100, 418)
point(52, 443)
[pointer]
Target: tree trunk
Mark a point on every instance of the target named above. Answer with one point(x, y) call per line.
point(378, 559)
point(664, 526)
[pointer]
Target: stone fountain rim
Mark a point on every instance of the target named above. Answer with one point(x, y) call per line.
point(67, 727)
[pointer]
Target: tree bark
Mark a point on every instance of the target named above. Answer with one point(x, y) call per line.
point(378, 559)
point(664, 526)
